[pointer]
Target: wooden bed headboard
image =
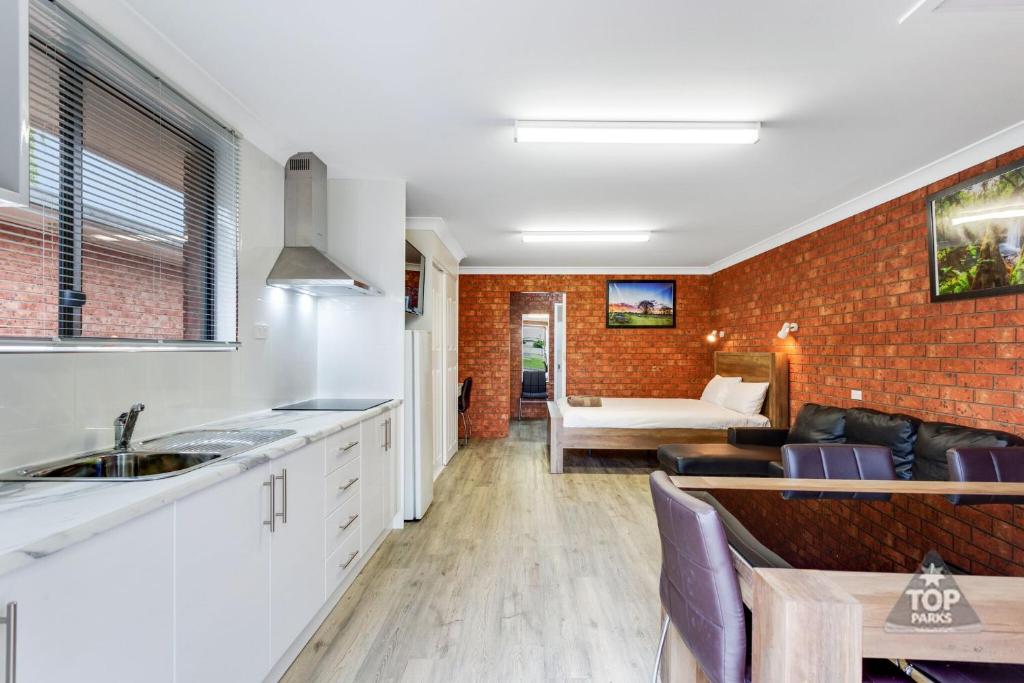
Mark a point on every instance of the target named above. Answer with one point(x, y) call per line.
point(761, 366)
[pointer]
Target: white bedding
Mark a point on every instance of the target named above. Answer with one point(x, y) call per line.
point(657, 413)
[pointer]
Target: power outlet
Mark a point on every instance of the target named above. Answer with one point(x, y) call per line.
point(856, 394)
point(260, 331)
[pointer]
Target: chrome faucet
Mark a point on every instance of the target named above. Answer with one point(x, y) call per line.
point(124, 426)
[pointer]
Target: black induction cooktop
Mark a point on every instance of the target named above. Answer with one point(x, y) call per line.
point(335, 404)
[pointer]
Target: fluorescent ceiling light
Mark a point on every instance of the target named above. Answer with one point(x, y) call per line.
point(640, 132)
point(539, 236)
point(990, 216)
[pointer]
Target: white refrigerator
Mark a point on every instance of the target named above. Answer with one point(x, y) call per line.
point(419, 425)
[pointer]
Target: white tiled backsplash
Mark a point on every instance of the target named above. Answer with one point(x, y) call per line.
point(56, 404)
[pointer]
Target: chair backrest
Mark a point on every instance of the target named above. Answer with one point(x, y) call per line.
point(535, 382)
point(837, 461)
point(467, 387)
point(986, 464)
point(699, 588)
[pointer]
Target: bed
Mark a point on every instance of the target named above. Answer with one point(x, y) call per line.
point(643, 424)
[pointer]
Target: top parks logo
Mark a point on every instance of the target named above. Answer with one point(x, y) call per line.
point(931, 602)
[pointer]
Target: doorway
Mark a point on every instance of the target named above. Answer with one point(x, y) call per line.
point(536, 352)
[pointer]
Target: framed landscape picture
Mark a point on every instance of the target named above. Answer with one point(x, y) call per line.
point(976, 235)
point(641, 303)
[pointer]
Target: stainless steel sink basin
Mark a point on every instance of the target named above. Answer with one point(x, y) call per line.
point(123, 465)
point(164, 457)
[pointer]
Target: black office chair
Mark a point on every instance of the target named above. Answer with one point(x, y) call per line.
point(535, 388)
point(464, 393)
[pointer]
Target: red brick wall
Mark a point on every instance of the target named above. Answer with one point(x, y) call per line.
point(884, 537)
point(520, 304)
point(609, 362)
point(28, 283)
point(127, 296)
point(859, 290)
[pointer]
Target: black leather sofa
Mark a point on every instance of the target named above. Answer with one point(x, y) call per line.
point(918, 447)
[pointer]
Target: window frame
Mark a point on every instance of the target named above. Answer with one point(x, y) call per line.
point(200, 188)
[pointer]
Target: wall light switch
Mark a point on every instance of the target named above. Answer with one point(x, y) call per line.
point(856, 394)
point(260, 331)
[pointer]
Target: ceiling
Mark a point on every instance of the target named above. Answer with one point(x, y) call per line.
point(427, 91)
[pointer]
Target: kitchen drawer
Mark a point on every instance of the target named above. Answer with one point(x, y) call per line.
point(341, 485)
point(341, 448)
point(342, 562)
point(341, 524)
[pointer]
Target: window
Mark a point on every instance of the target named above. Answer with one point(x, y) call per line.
point(132, 229)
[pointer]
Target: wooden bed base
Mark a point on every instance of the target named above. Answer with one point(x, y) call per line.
point(751, 366)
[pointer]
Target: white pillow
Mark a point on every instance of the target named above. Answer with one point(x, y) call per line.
point(714, 392)
point(745, 397)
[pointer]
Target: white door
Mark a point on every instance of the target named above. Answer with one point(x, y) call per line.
point(222, 565)
point(559, 350)
point(296, 546)
point(98, 611)
point(451, 346)
point(439, 406)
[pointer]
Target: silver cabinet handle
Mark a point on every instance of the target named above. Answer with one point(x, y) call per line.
point(347, 447)
point(351, 559)
point(272, 523)
point(10, 619)
point(346, 487)
point(284, 495)
point(349, 523)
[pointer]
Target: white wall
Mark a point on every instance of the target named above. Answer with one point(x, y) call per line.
point(360, 337)
point(434, 251)
point(56, 404)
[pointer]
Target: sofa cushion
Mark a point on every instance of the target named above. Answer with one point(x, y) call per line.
point(898, 432)
point(818, 424)
point(935, 438)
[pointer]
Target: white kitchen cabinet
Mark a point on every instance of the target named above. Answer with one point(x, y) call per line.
point(372, 484)
point(99, 611)
point(222, 569)
point(393, 469)
point(14, 103)
point(296, 546)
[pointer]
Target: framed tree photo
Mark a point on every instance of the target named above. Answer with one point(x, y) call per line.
point(976, 236)
point(641, 303)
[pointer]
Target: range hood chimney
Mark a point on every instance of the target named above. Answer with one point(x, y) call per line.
point(303, 263)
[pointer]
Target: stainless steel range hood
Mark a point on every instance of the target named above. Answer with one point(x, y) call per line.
point(303, 263)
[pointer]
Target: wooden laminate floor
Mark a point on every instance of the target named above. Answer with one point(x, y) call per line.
point(514, 575)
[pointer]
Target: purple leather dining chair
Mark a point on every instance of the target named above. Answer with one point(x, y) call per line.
point(986, 464)
point(837, 461)
point(700, 591)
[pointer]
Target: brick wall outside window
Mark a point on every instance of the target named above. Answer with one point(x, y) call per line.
point(127, 295)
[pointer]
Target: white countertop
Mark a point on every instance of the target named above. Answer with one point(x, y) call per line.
point(40, 518)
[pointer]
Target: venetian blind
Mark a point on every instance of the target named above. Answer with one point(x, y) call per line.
point(132, 228)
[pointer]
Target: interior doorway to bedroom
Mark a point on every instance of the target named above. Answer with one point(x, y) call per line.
point(536, 326)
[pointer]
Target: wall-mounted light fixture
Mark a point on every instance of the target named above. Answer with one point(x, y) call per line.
point(715, 335)
point(787, 328)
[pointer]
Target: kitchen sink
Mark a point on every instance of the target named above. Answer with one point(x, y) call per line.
point(122, 465)
point(164, 457)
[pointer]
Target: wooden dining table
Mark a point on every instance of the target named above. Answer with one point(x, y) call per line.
point(818, 625)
